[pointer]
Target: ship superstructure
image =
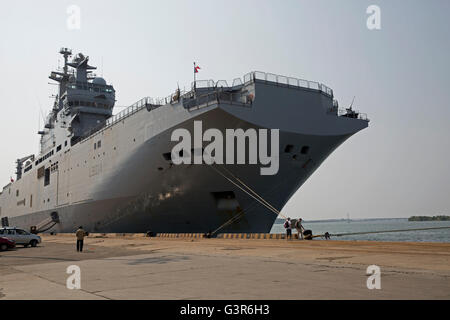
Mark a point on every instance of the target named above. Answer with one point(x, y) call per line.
point(116, 174)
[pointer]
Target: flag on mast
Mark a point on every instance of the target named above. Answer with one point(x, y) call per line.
point(12, 180)
point(196, 69)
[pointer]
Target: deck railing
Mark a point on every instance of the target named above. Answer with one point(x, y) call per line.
point(287, 81)
point(266, 77)
point(216, 97)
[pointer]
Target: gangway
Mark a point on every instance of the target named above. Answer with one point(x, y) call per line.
point(45, 224)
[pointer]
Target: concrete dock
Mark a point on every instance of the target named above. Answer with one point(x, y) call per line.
point(195, 268)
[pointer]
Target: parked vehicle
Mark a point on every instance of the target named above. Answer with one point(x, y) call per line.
point(20, 236)
point(6, 244)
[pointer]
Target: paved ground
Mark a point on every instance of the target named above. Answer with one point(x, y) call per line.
point(119, 268)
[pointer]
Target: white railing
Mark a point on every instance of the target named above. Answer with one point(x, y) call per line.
point(267, 77)
point(216, 97)
point(287, 81)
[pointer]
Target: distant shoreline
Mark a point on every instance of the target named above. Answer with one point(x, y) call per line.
point(427, 218)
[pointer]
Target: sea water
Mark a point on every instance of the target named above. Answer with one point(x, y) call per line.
point(349, 226)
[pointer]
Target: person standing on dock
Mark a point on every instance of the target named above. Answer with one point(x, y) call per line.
point(288, 227)
point(300, 228)
point(80, 233)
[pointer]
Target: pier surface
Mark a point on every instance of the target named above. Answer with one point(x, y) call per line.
point(184, 268)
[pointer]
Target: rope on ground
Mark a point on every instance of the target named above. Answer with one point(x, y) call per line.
point(381, 231)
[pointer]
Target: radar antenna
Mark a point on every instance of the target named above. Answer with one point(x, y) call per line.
point(66, 52)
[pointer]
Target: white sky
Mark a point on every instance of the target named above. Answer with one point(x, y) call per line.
point(397, 167)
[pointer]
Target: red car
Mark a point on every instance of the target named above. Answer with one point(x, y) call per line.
point(6, 244)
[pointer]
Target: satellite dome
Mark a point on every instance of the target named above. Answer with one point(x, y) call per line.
point(99, 80)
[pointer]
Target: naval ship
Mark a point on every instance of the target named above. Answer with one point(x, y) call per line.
point(115, 173)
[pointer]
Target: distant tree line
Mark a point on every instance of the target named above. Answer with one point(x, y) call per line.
point(425, 218)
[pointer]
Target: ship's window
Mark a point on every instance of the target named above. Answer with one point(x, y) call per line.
point(167, 156)
point(289, 148)
point(305, 150)
point(65, 144)
point(17, 193)
point(47, 177)
point(31, 201)
point(58, 148)
point(99, 144)
point(95, 146)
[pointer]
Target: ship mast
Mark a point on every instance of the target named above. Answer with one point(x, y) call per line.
point(62, 77)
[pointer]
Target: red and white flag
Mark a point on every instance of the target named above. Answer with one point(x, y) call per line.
point(196, 68)
point(12, 180)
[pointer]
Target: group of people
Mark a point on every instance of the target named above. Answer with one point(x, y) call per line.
point(297, 225)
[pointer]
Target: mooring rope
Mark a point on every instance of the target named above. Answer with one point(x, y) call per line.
point(257, 198)
point(250, 192)
point(254, 192)
point(381, 231)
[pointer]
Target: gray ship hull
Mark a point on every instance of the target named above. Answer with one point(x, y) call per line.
point(143, 191)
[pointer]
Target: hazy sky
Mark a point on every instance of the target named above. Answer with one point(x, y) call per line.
point(397, 167)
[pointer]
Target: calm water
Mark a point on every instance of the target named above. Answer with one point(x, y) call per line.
point(442, 235)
